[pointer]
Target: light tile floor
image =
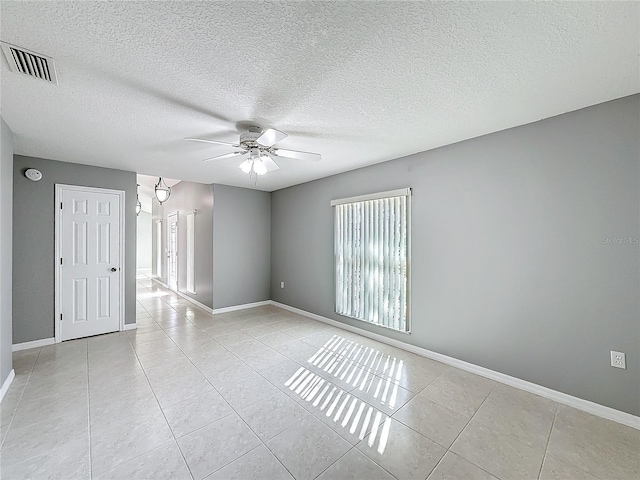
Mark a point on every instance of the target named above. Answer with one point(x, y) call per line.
point(268, 394)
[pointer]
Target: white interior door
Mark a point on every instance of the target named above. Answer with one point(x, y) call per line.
point(172, 251)
point(90, 263)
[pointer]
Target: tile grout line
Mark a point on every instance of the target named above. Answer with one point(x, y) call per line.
point(462, 431)
point(89, 416)
point(236, 412)
point(390, 417)
point(144, 453)
point(354, 447)
point(447, 449)
point(311, 414)
point(27, 382)
point(349, 394)
point(263, 443)
point(336, 461)
point(222, 396)
point(546, 448)
point(25, 386)
point(13, 415)
point(175, 440)
point(251, 368)
point(443, 406)
point(470, 419)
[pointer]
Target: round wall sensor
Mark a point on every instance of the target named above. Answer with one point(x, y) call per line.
point(33, 174)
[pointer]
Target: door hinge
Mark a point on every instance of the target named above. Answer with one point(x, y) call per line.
point(60, 205)
point(60, 317)
point(60, 260)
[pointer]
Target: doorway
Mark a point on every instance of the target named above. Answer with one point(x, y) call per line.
point(172, 251)
point(89, 261)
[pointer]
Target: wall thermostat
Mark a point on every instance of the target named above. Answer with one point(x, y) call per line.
point(33, 174)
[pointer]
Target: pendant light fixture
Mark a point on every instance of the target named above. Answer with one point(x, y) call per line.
point(138, 204)
point(163, 191)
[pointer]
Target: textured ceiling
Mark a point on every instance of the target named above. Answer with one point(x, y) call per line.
point(358, 82)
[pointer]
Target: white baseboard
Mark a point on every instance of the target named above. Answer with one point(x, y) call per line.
point(215, 310)
point(209, 309)
point(185, 296)
point(34, 344)
point(130, 326)
point(7, 383)
point(560, 397)
point(160, 282)
point(196, 303)
point(242, 307)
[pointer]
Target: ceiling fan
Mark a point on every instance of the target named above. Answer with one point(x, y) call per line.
point(260, 147)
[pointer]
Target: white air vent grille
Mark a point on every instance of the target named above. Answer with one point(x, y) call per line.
point(30, 63)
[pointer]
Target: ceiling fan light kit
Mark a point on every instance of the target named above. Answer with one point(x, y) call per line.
point(162, 190)
point(246, 166)
point(259, 167)
point(259, 144)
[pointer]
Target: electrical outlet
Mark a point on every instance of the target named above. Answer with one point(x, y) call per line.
point(618, 359)
point(281, 284)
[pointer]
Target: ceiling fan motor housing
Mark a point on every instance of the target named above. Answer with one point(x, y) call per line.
point(249, 138)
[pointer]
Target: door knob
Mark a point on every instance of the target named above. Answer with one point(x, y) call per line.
point(114, 269)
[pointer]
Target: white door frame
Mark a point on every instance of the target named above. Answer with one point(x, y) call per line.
point(58, 243)
point(168, 259)
point(160, 255)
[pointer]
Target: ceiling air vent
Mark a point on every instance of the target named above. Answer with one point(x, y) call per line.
point(30, 63)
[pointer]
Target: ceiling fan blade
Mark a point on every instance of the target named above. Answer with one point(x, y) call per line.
point(226, 155)
point(270, 164)
point(270, 137)
point(298, 155)
point(211, 141)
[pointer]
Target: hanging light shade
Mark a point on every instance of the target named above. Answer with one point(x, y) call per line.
point(138, 204)
point(259, 167)
point(246, 166)
point(254, 164)
point(163, 191)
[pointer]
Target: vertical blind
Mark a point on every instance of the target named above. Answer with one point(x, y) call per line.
point(371, 249)
point(191, 252)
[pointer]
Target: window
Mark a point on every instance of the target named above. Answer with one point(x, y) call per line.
point(371, 248)
point(191, 252)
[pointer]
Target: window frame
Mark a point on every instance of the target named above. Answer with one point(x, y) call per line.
point(406, 192)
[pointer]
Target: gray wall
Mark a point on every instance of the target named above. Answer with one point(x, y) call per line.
point(511, 266)
point(186, 197)
point(144, 240)
point(34, 241)
point(242, 246)
point(6, 219)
